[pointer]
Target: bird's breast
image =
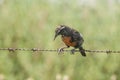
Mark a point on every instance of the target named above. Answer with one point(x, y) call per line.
point(67, 41)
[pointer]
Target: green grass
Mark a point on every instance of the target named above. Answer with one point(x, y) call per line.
point(31, 23)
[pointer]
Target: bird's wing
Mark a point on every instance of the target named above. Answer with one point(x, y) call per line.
point(76, 36)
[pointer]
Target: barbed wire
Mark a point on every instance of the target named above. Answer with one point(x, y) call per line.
point(55, 50)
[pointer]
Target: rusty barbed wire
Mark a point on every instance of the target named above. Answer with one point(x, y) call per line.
point(55, 50)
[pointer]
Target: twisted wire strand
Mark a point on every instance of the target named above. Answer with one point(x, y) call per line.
point(55, 50)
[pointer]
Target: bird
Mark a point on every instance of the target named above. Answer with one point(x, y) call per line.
point(71, 38)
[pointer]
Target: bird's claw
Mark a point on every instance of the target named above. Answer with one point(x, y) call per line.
point(60, 50)
point(73, 51)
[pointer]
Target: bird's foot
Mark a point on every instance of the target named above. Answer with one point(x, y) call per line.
point(72, 51)
point(61, 50)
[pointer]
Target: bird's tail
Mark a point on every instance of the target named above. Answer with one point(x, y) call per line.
point(82, 51)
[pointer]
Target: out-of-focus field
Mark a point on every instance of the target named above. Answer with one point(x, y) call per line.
point(31, 23)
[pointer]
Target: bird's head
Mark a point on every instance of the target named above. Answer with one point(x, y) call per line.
point(60, 30)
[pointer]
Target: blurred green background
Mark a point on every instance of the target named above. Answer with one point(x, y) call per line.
point(31, 23)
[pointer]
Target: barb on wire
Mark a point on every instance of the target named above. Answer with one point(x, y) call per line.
point(55, 50)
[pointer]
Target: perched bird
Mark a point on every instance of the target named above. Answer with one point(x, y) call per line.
point(70, 37)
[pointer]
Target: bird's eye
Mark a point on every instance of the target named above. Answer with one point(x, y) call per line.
point(64, 32)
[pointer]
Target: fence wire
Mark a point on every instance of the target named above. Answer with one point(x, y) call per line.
point(55, 50)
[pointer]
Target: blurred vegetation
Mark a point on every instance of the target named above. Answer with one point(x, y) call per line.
point(31, 23)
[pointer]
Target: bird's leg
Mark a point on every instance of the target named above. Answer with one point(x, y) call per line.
point(61, 50)
point(72, 51)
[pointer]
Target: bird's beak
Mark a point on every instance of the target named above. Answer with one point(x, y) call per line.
point(55, 36)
